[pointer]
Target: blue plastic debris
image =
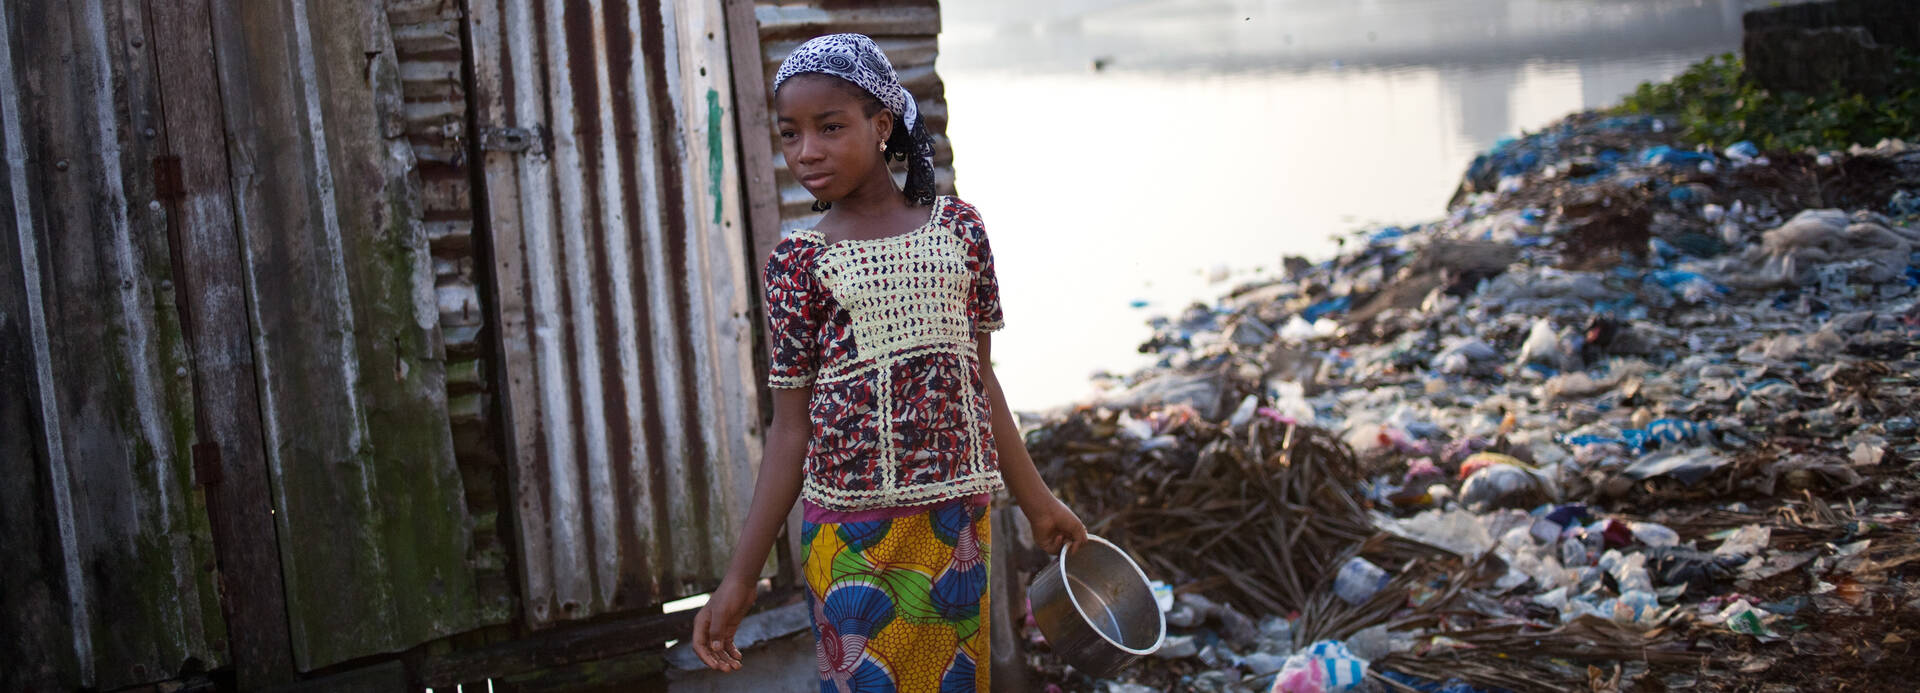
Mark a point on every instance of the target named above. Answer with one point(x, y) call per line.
point(1385, 235)
point(1664, 431)
point(1679, 281)
point(1663, 154)
point(1325, 308)
point(1742, 151)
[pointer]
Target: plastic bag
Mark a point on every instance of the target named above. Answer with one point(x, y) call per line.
point(1326, 666)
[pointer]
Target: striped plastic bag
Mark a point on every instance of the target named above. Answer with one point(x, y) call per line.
point(1324, 667)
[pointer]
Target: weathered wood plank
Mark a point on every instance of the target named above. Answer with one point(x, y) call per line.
point(564, 647)
point(213, 292)
point(373, 531)
point(721, 303)
point(37, 639)
point(753, 121)
point(132, 530)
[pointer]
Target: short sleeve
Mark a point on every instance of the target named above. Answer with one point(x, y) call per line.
point(983, 305)
point(792, 318)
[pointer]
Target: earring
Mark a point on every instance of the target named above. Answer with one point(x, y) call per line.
point(883, 145)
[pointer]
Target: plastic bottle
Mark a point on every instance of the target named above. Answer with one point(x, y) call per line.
point(1359, 580)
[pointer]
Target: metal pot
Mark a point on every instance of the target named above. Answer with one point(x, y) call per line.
point(1097, 609)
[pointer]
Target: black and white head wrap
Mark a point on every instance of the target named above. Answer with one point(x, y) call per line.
point(857, 59)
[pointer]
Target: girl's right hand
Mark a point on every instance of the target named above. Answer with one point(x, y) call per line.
point(714, 626)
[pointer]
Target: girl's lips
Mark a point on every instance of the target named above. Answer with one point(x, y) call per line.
point(814, 179)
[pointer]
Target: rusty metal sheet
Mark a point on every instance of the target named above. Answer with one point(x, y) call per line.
point(908, 32)
point(108, 577)
point(621, 287)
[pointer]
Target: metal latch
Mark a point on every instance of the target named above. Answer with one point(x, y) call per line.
point(507, 139)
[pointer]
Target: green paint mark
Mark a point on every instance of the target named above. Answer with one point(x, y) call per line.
point(714, 163)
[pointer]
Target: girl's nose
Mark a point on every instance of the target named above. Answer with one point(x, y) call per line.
point(810, 149)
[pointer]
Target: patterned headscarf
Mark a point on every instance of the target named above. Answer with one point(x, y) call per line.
point(857, 59)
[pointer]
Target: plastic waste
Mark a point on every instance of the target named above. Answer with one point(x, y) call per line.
point(1634, 607)
point(1326, 666)
point(1289, 402)
point(1244, 413)
point(1742, 151)
point(1276, 635)
point(1483, 460)
point(1262, 663)
point(1162, 595)
point(1688, 466)
point(1178, 647)
point(1663, 154)
point(1666, 431)
point(1654, 534)
point(1503, 486)
point(1675, 565)
point(1745, 541)
point(1375, 642)
point(1741, 617)
point(1544, 346)
point(1358, 580)
point(1324, 308)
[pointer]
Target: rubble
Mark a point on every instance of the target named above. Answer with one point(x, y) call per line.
point(1633, 416)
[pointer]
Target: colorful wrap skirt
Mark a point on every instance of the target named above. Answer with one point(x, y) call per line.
point(900, 604)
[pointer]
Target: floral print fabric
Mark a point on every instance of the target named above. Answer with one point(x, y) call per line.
point(883, 332)
point(901, 604)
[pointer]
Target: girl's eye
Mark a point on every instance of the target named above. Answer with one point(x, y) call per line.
point(831, 128)
point(786, 134)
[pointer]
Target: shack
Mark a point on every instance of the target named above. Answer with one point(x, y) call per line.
point(390, 344)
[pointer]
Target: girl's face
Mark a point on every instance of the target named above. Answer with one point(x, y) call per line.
point(832, 145)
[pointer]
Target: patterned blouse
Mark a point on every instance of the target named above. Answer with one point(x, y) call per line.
point(883, 331)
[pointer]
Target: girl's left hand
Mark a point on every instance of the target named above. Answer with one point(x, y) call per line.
point(1054, 524)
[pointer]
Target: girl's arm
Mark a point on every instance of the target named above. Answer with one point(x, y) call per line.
point(773, 496)
point(1053, 523)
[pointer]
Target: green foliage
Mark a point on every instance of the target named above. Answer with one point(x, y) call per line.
point(1716, 105)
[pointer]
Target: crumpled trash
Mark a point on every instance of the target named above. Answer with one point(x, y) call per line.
point(1504, 486)
point(1676, 565)
point(1687, 466)
point(1741, 617)
point(1326, 666)
point(1178, 647)
point(1358, 580)
point(1793, 253)
point(1745, 541)
point(1664, 432)
point(1548, 347)
point(1654, 534)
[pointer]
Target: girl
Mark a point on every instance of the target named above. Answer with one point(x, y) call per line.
point(888, 422)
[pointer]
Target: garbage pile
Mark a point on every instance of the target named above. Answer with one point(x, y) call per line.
point(1633, 416)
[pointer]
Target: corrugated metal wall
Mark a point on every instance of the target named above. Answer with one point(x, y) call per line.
point(909, 34)
point(621, 294)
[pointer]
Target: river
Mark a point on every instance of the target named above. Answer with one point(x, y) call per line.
point(1132, 157)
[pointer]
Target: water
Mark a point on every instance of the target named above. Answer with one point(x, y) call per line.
point(1214, 137)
